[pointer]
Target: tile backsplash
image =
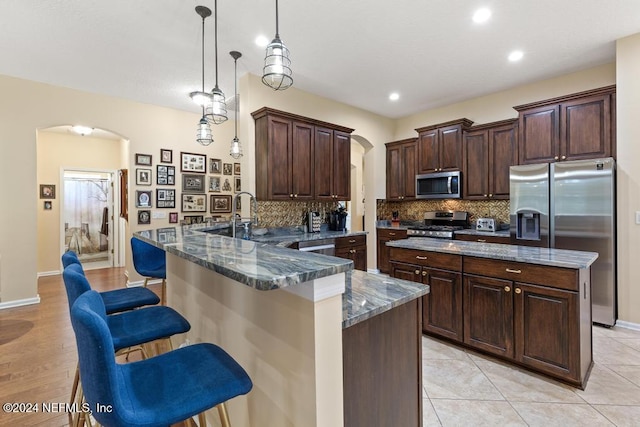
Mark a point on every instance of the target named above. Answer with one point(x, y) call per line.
point(287, 214)
point(415, 209)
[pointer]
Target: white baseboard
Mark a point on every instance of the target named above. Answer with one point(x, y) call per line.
point(373, 270)
point(628, 325)
point(20, 302)
point(49, 273)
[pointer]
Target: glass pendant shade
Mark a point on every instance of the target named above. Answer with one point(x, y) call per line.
point(204, 136)
point(216, 112)
point(236, 148)
point(202, 99)
point(277, 66)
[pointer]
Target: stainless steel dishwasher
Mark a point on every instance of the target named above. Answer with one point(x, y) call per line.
point(323, 246)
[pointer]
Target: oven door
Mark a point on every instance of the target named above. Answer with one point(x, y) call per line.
point(442, 185)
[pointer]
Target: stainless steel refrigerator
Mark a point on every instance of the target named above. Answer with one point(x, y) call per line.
point(571, 205)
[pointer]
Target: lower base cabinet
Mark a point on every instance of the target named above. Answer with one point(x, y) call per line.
point(533, 315)
point(382, 369)
point(353, 248)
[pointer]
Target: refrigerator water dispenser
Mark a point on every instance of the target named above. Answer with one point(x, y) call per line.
point(528, 226)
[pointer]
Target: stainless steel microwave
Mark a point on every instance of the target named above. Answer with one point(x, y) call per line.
point(440, 185)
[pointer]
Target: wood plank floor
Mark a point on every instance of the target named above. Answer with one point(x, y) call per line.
point(38, 351)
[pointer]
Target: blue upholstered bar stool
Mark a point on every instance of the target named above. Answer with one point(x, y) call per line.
point(68, 258)
point(129, 329)
point(158, 391)
point(150, 262)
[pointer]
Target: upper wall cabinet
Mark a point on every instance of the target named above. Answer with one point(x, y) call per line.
point(440, 146)
point(401, 169)
point(489, 151)
point(572, 127)
point(298, 158)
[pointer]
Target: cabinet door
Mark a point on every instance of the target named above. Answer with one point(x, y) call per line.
point(409, 163)
point(279, 158)
point(450, 148)
point(488, 314)
point(302, 161)
point(442, 306)
point(503, 153)
point(476, 165)
point(384, 236)
point(586, 128)
point(323, 163)
point(539, 130)
point(410, 272)
point(395, 168)
point(428, 152)
point(341, 165)
point(547, 330)
point(359, 257)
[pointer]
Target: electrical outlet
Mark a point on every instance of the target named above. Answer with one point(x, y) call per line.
point(158, 215)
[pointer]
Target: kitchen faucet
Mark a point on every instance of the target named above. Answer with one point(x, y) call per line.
point(254, 220)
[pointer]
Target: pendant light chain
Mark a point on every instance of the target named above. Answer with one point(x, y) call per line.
point(236, 148)
point(217, 112)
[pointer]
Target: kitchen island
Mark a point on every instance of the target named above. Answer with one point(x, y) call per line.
point(293, 320)
point(527, 305)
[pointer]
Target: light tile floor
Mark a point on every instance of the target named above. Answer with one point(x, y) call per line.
point(465, 388)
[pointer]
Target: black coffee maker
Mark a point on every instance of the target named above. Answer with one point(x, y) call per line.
point(338, 220)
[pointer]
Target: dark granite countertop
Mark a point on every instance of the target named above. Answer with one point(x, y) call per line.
point(474, 232)
point(368, 295)
point(527, 254)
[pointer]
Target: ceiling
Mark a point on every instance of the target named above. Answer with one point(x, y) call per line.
point(353, 51)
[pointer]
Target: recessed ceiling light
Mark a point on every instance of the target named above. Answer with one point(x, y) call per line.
point(262, 41)
point(481, 15)
point(394, 96)
point(82, 130)
point(516, 55)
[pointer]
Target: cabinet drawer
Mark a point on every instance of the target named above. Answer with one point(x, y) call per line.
point(391, 234)
point(347, 242)
point(555, 277)
point(483, 238)
point(427, 259)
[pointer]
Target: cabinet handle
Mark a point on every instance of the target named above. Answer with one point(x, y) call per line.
point(392, 234)
point(509, 270)
point(424, 273)
point(353, 251)
point(507, 289)
point(490, 195)
point(564, 157)
point(555, 158)
point(352, 241)
point(518, 291)
point(482, 240)
point(484, 195)
point(295, 196)
point(421, 257)
point(291, 196)
point(417, 271)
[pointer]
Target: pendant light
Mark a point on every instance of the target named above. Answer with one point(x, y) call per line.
point(236, 148)
point(277, 67)
point(217, 110)
point(203, 98)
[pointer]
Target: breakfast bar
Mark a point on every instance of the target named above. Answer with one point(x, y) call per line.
point(300, 324)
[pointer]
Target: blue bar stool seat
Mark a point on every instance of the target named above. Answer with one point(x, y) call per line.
point(68, 258)
point(158, 391)
point(151, 262)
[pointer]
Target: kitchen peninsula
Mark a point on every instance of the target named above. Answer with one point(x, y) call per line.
point(309, 330)
point(527, 305)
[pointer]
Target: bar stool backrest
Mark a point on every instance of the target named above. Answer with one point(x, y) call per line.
point(75, 283)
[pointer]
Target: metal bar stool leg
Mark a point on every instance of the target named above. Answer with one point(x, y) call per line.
point(224, 416)
point(202, 420)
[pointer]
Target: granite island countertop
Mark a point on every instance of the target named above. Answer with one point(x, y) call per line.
point(255, 264)
point(527, 254)
point(368, 295)
point(474, 232)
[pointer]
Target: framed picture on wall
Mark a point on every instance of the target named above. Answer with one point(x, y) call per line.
point(193, 219)
point(165, 175)
point(215, 166)
point(143, 176)
point(48, 205)
point(190, 162)
point(165, 198)
point(194, 203)
point(214, 184)
point(193, 183)
point(227, 169)
point(143, 159)
point(166, 156)
point(143, 199)
point(237, 184)
point(144, 217)
point(47, 191)
point(173, 217)
point(221, 203)
point(236, 168)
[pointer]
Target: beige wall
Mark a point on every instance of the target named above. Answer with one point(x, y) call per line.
point(628, 177)
point(57, 151)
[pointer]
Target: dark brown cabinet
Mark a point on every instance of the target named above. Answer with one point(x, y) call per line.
point(353, 248)
point(442, 307)
point(440, 146)
point(401, 169)
point(385, 235)
point(546, 328)
point(489, 151)
point(572, 127)
point(301, 158)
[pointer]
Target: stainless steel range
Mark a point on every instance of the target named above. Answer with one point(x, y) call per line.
point(440, 224)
